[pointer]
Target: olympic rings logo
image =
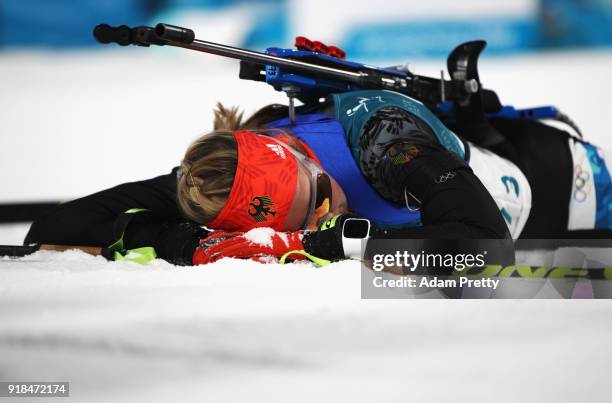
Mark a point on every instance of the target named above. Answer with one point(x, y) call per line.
point(581, 184)
point(443, 178)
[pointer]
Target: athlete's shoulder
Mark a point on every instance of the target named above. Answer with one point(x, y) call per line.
point(393, 124)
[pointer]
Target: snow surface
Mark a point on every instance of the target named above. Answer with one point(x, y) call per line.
point(239, 331)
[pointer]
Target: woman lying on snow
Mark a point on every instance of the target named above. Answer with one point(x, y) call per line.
point(376, 154)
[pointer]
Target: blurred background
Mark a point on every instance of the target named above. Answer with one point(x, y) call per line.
point(77, 117)
point(367, 29)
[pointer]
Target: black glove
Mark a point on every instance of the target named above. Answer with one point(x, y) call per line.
point(177, 242)
point(173, 241)
point(328, 241)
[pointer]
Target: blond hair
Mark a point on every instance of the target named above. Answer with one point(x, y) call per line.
point(210, 163)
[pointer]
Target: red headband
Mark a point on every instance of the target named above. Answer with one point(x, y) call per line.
point(264, 185)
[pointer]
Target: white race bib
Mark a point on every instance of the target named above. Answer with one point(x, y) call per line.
point(507, 185)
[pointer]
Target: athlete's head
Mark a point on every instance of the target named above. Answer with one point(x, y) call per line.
point(238, 179)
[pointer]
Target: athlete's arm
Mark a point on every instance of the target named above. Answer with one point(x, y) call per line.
point(414, 168)
point(93, 220)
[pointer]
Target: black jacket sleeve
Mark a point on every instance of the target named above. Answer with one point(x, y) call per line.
point(94, 220)
point(413, 168)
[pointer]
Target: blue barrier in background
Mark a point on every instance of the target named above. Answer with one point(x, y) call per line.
point(556, 24)
point(64, 23)
point(575, 23)
point(436, 38)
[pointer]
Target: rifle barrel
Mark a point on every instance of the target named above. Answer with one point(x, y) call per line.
point(358, 78)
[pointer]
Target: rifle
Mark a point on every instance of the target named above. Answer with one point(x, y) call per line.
point(313, 71)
